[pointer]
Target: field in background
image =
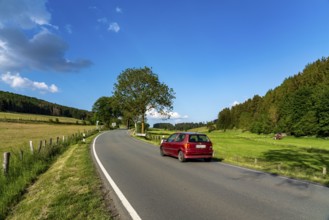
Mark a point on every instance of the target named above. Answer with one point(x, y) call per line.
point(18, 135)
point(304, 158)
point(7, 116)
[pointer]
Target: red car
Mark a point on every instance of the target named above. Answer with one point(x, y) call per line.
point(187, 145)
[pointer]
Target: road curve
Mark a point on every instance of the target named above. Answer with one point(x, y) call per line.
point(163, 188)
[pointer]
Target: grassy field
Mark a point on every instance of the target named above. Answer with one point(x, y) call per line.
point(18, 135)
point(303, 158)
point(25, 167)
point(70, 189)
point(37, 118)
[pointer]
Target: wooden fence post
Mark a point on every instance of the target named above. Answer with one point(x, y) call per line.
point(6, 159)
point(40, 146)
point(63, 138)
point(31, 147)
point(51, 141)
point(21, 154)
point(324, 171)
point(279, 166)
point(57, 141)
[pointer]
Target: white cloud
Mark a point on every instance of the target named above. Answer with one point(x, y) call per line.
point(153, 114)
point(114, 26)
point(44, 51)
point(235, 103)
point(102, 20)
point(176, 115)
point(25, 14)
point(53, 88)
point(119, 10)
point(17, 82)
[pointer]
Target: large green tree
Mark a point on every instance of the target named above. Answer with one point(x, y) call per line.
point(224, 119)
point(139, 90)
point(106, 110)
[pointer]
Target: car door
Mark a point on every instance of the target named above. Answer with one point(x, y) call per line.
point(178, 144)
point(169, 146)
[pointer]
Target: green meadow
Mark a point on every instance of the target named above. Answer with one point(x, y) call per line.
point(21, 117)
point(304, 158)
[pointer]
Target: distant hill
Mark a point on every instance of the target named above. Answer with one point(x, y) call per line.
point(299, 106)
point(11, 102)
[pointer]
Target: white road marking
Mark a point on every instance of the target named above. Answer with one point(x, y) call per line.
point(116, 189)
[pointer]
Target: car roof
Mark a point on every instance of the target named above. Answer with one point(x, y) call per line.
point(188, 133)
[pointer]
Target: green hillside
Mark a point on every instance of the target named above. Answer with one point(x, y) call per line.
point(11, 102)
point(299, 106)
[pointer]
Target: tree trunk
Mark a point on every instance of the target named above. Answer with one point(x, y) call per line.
point(143, 129)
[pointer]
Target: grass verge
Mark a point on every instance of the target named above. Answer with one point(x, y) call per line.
point(70, 189)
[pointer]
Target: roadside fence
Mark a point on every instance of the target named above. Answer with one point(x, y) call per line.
point(21, 158)
point(278, 167)
point(156, 138)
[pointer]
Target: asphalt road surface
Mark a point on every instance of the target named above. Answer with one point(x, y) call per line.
point(163, 188)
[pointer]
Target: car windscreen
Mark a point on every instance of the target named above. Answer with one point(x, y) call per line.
point(198, 138)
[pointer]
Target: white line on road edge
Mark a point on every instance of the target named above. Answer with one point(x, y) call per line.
point(116, 189)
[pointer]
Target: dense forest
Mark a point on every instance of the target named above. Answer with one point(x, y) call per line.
point(10, 102)
point(299, 106)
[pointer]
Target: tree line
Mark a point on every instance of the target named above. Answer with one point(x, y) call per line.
point(11, 102)
point(179, 126)
point(299, 106)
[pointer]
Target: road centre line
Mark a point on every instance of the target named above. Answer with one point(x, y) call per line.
point(116, 189)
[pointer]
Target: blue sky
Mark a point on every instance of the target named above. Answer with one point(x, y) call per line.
point(213, 53)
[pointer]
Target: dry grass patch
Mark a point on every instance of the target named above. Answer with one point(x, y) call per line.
point(17, 135)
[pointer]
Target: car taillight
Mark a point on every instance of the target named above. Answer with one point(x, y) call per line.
point(187, 145)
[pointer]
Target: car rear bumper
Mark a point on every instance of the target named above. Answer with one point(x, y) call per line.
point(196, 155)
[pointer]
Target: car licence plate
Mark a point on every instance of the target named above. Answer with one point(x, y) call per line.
point(200, 146)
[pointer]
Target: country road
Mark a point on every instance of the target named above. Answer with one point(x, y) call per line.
point(163, 188)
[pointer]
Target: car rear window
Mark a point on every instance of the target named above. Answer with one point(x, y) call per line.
point(198, 138)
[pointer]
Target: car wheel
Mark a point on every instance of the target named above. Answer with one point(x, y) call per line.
point(161, 152)
point(181, 156)
point(207, 159)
